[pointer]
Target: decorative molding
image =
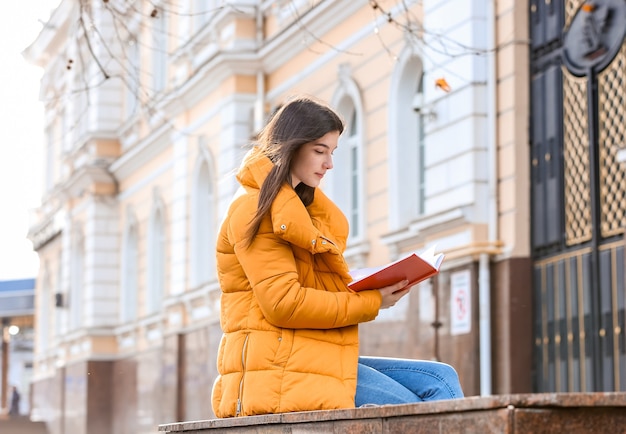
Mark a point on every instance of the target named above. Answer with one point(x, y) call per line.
point(208, 78)
point(323, 17)
point(87, 175)
point(47, 229)
point(281, 49)
point(209, 33)
point(55, 31)
point(147, 149)
point(417, 231)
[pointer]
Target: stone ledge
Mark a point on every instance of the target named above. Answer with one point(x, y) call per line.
point(537, 413)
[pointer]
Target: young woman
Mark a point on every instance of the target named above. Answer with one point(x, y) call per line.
point(290, 322)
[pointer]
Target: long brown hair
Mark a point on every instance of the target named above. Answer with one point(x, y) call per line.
point(299, 121)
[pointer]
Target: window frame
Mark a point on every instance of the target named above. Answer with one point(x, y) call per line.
point(129, 286)
point(203, 218)
point(407, 188)
point(157, 257)
point(77, 279)
point(348, 103)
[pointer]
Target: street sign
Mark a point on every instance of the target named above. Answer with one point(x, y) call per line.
point(460, 303)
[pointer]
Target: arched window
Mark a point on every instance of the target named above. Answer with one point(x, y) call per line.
point(406, 141)
point(77, 281)
point(156, 256)
point(203, 219)
point(130, 264)
point(346, 180)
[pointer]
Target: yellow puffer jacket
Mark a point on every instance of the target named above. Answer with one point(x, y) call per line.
point(290, 323)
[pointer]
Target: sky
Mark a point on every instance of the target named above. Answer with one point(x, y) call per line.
point(21, 128)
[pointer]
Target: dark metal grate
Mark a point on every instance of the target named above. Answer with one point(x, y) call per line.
point(578, 224)
point(612, 138)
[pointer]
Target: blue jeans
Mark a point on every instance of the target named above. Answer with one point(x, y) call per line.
point(382, 380)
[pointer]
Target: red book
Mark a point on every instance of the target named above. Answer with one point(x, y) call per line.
point(414, 267)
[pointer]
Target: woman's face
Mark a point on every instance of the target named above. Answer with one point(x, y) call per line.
point(313, 159)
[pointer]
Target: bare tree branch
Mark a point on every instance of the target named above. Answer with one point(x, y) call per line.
point(86, 32)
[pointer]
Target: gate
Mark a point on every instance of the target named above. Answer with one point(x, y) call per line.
point(578, 140)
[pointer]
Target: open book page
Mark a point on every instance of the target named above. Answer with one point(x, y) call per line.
point(414, 267)
point(434, 259)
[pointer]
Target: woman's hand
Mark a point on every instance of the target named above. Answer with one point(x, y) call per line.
point(392, 293)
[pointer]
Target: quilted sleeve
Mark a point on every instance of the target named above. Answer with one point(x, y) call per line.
point(270, 266)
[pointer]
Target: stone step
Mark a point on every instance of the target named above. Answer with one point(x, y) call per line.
point(21, 425)
point(511, 414)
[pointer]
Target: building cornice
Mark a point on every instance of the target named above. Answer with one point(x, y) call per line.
point(84, 177)
point(193, 46)
point(52, 35)
point(273, 54)
point(419, 230)
point(145, 150)
point(316, 22)
point(209, 77)
point(47, 229)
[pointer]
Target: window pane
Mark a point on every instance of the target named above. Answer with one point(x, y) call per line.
point(354, 196)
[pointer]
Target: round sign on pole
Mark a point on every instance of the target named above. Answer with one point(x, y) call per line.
point(594, 36)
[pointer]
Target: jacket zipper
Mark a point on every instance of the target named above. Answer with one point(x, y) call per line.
point(243, 374)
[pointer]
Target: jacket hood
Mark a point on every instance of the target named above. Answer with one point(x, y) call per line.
point(306, 227)
point(254, 169)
